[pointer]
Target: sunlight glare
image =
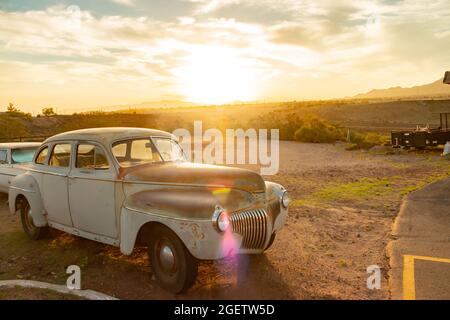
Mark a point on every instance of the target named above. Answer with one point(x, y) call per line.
point(216, 76)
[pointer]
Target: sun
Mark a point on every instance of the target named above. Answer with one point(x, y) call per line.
point(216, 76)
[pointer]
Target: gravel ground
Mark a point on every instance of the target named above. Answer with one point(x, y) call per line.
point(344, 203)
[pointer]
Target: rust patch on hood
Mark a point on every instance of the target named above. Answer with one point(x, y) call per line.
point(186, 201)
point(196, 174)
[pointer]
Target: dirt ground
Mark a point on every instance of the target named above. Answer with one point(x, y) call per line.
point(344, 203)
point(19, 293)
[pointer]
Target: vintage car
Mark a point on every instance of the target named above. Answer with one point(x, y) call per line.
point(131, 187)
point(12, 158)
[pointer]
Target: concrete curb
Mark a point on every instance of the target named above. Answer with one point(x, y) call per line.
point(421, 229)
point(87, 294)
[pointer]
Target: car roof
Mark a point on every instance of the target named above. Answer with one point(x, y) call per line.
point(15, 145)
point(108, 135)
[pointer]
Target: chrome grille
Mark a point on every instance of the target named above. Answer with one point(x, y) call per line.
point(252, 225)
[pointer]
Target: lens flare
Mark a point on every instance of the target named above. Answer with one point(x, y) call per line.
point(229, 244)
point(221, 191)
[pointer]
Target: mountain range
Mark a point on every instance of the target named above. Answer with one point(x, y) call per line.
point(434, 89)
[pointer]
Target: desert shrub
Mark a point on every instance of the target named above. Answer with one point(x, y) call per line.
point(373, 138)
point(19, 115)
point(317, 130)
point(352, 147)
point(287, 123)
point(13, 125)
point(48, 112)
point(13, 111)
point(290, 127)
point(365, 140)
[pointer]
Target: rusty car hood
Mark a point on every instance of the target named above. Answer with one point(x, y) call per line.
point(194, 174)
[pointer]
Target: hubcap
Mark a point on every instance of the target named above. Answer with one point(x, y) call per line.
point(166, 257)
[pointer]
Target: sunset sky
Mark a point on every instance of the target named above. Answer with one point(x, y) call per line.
point(74, 55)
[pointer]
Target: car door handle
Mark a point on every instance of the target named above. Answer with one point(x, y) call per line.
point(65, 175)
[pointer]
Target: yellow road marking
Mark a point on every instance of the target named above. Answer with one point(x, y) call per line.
point(409, 285)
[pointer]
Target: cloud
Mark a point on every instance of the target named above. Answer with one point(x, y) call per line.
point(207, 6)
point(124, 2)
point(351, 46)
point(186, 20)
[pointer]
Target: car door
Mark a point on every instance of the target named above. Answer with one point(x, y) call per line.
point(5, 168)
point(92, 191)
point(54, 183)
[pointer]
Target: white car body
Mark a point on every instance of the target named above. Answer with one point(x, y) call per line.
point(107, 197)
point(10, 168)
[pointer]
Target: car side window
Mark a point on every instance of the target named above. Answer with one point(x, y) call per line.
point(60, 156)
point(91, 157)
point(120, 151)
point(135, 152)
point(3, 157)
point(40, 159)
point(22, 155)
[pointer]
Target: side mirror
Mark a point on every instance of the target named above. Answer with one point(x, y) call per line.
point(447, 77)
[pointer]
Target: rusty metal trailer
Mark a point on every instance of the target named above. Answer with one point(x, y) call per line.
point(422, 137)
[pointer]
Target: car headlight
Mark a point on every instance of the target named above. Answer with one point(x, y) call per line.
point(285, 199)
point(220, 219)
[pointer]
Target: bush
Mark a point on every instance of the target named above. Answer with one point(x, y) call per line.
point(365, 141)
point(13, 111)
point(48, 112)
point(318, 130)
point(288, 124)
point(12, 126)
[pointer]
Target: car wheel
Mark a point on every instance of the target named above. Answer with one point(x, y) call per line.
point(30, 229)
point(174, 267)
point(272, 239)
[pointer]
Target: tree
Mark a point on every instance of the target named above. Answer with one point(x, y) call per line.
point(13, 111)
point(12, 108)
point(48, 112)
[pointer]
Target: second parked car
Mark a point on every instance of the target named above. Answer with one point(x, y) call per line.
point(13, 156)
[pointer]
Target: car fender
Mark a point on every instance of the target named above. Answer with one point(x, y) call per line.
point(26, 185)
point(199, 237)
point(274, 191)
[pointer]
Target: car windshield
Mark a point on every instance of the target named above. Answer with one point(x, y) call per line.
point(145, 150)
point(169, 150)
point(23, 155)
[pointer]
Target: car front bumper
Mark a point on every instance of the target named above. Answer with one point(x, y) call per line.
point(250, 233)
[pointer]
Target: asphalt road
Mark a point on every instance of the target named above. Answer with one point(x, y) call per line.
point(420, 251)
